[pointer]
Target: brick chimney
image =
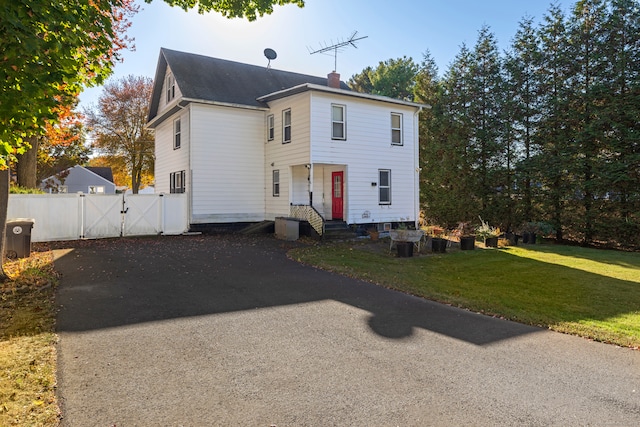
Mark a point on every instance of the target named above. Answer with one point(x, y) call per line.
point(333, 80)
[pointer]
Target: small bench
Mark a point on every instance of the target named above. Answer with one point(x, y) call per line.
point(414, 236)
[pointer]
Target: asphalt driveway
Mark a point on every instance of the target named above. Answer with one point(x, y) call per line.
point(225, 330)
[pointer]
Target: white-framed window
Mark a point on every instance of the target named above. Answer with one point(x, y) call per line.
point(176, 182)
point(270, 127)
point(276, 183)
point(177, 131)
point(384, 186)
point(170, 85)
point(286, 126)
point(396, 129)
point(338, 121)
point(96, 189)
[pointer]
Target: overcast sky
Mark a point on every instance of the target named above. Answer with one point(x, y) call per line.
point(392, 28)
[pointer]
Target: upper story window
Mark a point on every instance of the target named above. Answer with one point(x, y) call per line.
point(170, 85)
point(276, 183)
point(384, 186)
point(176, 134)
point(176, 182)
point(396, 129)
point(338, 121)
point(270, 127)
point(286, 126)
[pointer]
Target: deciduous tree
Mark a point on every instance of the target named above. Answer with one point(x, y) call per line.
point(118, 125)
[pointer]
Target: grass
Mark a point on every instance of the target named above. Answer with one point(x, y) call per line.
point(581, 291)
point(27, 343)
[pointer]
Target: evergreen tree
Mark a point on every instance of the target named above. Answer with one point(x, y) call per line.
point(522, 113)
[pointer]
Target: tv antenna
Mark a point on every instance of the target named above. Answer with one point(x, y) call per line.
point(337, 46)
point(270, 54)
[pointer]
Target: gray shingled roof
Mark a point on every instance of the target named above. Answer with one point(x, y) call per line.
point(103, 171)
point(211, 79)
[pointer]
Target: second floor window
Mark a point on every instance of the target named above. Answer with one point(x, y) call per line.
point(171, 87)
point(338, 122)
point(176, 134)
point(286, 126)
point(396, 129)
point(270, 127)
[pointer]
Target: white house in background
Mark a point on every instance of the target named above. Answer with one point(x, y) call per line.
point(250, 143)
point(81, 179)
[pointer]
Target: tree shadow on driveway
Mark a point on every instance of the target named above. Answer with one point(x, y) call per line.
point(117, 282)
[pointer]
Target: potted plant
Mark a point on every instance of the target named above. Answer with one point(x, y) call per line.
point(488, 234)
point(530, 231)
point(465, 232)
point(405, 239)
point(438, 241)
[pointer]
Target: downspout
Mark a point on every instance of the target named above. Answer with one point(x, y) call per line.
point(416, 181)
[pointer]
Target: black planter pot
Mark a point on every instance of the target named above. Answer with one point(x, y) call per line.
point(405, 249)
point(438, 245)
point(529, 238)
point(513, 239)
point(467, 243)
point(491, 242)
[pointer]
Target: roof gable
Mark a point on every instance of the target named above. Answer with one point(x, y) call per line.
point(217, 80)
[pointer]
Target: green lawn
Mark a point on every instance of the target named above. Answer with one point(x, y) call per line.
point(587, 292)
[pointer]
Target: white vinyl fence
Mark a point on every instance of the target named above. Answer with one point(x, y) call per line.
point(95, 216)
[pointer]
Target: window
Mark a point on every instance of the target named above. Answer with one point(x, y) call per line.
point(396, 129)
point(176, 134)
point(286, 126)
point(338, 122)
point(176, 184)
point(96, 189)
point(170, 85)
point(276, 183)
point(384, 186)
point(270, 127)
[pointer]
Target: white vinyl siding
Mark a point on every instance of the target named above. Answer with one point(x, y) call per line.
point(289, 158)
point(169, 87)
point(227, 164)
point(168, 159)
point(338, 122)
point(369, 150)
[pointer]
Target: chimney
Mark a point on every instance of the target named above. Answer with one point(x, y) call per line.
point(333, 80)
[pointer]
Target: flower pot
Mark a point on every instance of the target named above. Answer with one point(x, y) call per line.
point(438, 245)
point(405, 249)
point(467, 243)
point(491, 242)
point(374, 235)
point(513, 239)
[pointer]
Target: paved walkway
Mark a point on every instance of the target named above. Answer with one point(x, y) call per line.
point(226, 331)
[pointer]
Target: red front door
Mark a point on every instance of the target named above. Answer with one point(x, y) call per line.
point(337, 205)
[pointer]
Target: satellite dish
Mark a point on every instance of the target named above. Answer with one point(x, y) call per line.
point(270, 54)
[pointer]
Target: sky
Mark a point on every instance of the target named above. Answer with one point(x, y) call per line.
point(393, 29)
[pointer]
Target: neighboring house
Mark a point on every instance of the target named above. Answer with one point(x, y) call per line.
point(81, 179)
point(250, 143)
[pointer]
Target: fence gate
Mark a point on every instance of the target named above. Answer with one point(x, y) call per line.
point(95, 216)
point(142, 215)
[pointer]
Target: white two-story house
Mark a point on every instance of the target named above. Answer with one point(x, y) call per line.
point(250, 143)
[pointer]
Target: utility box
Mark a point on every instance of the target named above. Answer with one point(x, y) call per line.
point(18, 237)
point(287, 228)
